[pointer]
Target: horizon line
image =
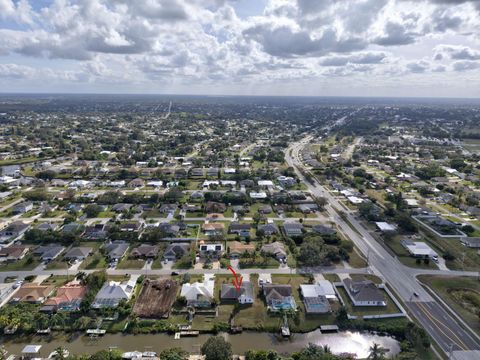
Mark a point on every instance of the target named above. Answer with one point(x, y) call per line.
point(242, 95)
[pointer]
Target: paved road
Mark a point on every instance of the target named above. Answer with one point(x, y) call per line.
point(433, 317)
point(284, 270)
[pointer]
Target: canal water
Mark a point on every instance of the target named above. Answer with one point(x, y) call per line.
point(342, 342)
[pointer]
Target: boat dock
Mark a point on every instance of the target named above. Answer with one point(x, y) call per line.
point(328, 328)
point(96, 332)
point(180, 334)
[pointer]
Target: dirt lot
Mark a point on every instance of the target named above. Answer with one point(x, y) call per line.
point(156, 298)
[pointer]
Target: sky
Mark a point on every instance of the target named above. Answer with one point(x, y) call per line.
point(400, 48)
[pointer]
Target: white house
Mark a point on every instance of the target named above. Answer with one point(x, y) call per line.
point(199, 294)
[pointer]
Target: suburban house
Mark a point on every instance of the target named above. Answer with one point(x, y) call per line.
point(324, 230)
point(279, 297)
point(268, 229)
point(199, 294)
point(145, 251)
point(22, 207)
point(116, 250)
point(471, 242)
point(293, 229)
point(176, 251)
point(286, 181)
point(215, 207)
point(242, 230)
point(170, 230)
point(46, 226)
point(49, 252)
point(321, 288)
point(275, 249)
point(237, 248)
point(121, 207)
point(131, 226)
point(32, 293)
point(314, 299)
point(73, 228)
point(13, 253)
point(96, 232)
point(112, 293)
point(364, 293)
point(78, 253)
point(15, 229)
point(168, 208)
point(213, 229)
point(136, 183)
point(68, 297)
point(385, 227)
point(244, 296)
point(211, 250)
point(307, 208)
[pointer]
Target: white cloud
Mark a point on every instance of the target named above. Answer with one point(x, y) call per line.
point(158, 44)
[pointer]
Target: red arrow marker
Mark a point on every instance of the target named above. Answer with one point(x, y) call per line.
point(236, 282)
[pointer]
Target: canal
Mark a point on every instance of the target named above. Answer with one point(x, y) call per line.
point(351, 342)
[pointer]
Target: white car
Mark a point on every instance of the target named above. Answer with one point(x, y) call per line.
point(18, 284)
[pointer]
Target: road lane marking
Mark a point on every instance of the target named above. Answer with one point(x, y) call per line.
point(436, 322)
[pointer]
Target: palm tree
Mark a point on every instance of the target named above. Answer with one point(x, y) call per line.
point(60, 353)
point(376, 352)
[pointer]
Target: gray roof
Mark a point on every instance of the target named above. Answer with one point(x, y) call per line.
point(364, 290)
point(49, 252)
point(276, 248)
point(229, 292)
point(273, 291)
point(76, 252)
point(177, 248)
point(273, 228)
point(116, 249)
point(293, 228)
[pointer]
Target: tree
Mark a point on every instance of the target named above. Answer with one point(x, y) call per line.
point(92, 210)
point(60, 353)
point(216, 348)
point(321, 202)
point(46, 175)
point(174, 354)
point(376, 352)
point(312, 252)
point(468, 229)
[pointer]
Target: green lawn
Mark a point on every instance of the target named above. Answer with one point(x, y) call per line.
point(96, 261)
point(391, 308)
point(106, 214)
point(29, 262)
point(461, 293)
point(157, 263)
point(405, 257)
point(128, 263)
point(58, 280)
point(355, 260)
point(57, 264)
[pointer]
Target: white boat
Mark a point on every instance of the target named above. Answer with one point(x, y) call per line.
point(149, 354)
point(54, 354)
point(132, 355)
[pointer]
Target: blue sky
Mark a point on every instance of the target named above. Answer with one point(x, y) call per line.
point(244, 47)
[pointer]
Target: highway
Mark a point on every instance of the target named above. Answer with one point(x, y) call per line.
point(443, 328)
